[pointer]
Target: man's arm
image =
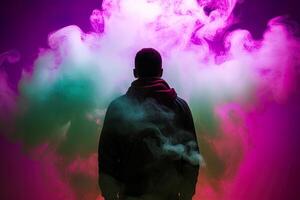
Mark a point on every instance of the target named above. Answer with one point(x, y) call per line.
point(190, 169)
point(109, 157)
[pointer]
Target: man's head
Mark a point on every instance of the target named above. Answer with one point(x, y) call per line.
point(148, 63)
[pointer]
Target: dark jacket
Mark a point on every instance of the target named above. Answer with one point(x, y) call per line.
point(148, 146)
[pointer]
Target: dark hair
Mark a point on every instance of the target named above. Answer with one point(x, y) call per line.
point(148, 63)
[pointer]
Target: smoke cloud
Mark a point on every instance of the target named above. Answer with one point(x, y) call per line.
point(244, 99)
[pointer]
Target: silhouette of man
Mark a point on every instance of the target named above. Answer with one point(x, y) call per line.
point(148, 147)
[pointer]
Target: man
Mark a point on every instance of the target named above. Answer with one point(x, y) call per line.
point(148, 147)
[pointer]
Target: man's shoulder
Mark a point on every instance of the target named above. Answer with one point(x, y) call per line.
point(182, 106)
point(182, 102)
point(119, 99)
point(118, 102)
point(124, 101)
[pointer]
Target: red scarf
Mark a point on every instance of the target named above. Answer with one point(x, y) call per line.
point(152, 87)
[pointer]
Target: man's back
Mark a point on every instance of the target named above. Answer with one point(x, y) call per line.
point(148, 147)
point(151, 132)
